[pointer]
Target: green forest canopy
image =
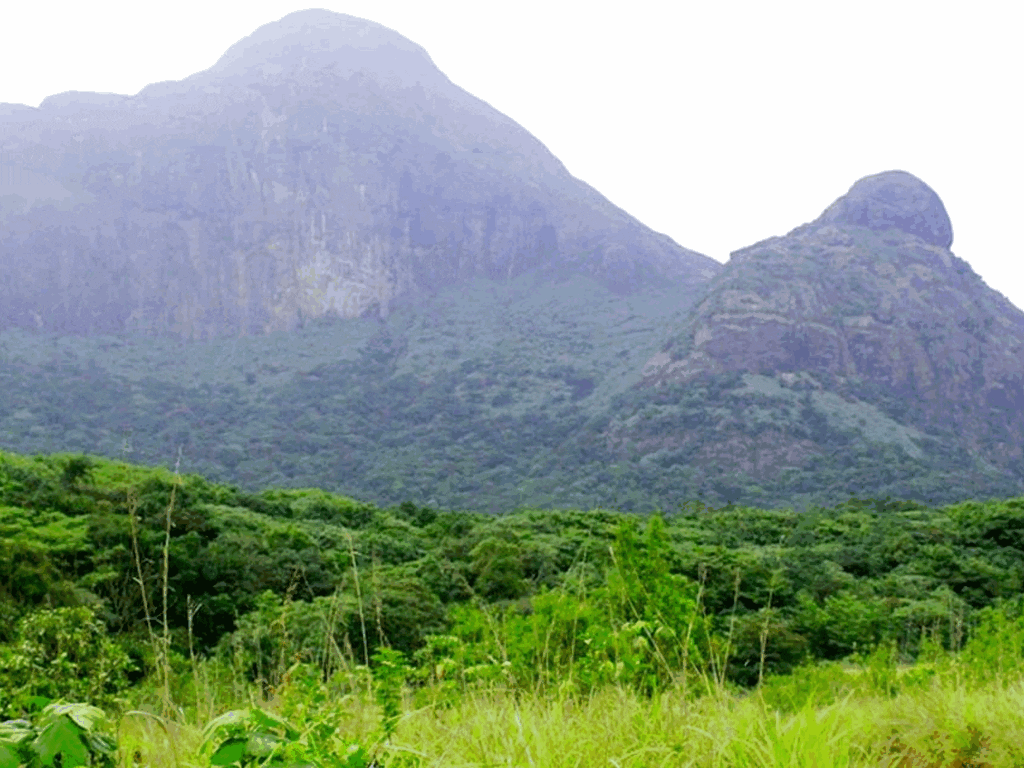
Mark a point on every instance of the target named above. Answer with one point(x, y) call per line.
point(826, 582)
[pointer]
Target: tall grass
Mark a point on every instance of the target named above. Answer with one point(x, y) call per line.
point(955, 710)
point(961, 708)
point(941, 723)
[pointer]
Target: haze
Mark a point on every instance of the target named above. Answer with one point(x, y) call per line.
point(719, 125)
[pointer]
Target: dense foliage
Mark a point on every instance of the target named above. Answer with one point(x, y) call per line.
point(488, 397)
point(535, 597)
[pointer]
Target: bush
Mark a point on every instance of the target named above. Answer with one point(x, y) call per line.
point(60, 654)
point(65, 735)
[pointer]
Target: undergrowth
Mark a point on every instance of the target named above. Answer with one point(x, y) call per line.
point(620, 665)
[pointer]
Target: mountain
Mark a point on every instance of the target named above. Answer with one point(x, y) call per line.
point(866, 320)
point(319, 263)
point(322, 167)
point(854, 356)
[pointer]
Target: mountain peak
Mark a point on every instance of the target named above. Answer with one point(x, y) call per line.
point(893, 199)
point(317, 38)
point(325, 164)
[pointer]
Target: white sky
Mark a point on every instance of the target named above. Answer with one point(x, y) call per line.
point(719, 123)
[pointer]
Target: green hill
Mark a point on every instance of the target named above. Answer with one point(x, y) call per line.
point(863, 573)
point(488, 396)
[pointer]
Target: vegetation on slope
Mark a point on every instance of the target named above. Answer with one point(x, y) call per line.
point(488, 397)
point(825, 582)
point(414, 636)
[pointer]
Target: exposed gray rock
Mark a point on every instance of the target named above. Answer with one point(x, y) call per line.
point(323, 166)
point(893, 199)
point(848, 298)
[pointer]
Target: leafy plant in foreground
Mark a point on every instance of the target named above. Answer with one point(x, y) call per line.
point(64, 736)
point(389, 675)
point(60, 653)
point(251, 737)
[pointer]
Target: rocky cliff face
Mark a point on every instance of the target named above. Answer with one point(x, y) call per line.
point(324, 166)
point(852, 356)
point(866, 299)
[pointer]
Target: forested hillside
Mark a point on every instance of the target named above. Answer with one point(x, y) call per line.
point(489, 396)
point(133, 587)
point(322, 263)
point(831, 580)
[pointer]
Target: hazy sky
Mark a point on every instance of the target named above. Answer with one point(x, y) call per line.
point(718, 123)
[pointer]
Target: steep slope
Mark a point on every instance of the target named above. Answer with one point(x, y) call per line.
point(488, 395)
point(393, 291)
point(323, 166)
point(484, 396)
point(893, 340)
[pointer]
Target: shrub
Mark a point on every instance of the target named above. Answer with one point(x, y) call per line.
point(65, 735)
point(62, 653)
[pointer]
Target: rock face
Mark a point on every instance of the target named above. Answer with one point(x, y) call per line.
point(323, 166)
point(893, 199)
point(837, 360)
point(868, 302)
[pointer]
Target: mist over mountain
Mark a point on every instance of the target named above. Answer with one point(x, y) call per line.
point(320, 263)
point(323, 166)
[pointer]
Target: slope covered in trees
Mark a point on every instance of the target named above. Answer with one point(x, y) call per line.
point(83, 532)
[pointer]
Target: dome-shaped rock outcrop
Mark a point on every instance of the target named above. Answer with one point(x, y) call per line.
point(893, 199)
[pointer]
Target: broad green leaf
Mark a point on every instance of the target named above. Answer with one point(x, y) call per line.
point(235, 718)
point(38, 703)
point(355, 757)
point(87, 717)
point(267, 720)
point(61, 737)
point(9, 757)
point(231, 751)
point(262, 744)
